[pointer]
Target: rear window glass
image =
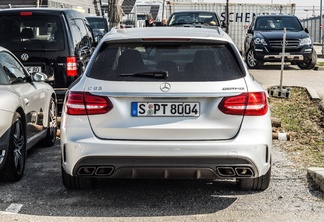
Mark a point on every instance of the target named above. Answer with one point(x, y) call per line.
point(150, 62)
point(34, 32)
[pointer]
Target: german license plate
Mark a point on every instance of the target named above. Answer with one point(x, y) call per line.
point(165, 109)
point(32, 69)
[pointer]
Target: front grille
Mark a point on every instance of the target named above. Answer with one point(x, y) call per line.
point(290, 43)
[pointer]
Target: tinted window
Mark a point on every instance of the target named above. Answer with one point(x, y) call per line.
point(35, 32)
point(182, 61)
point(80, 34)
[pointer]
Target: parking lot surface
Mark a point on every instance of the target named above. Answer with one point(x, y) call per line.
point(41, 196)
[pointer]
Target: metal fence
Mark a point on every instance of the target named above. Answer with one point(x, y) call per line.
point(313, 26)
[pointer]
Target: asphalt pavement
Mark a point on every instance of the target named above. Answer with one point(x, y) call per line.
point(272, 75)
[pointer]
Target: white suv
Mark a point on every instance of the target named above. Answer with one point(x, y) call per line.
point(166, 103)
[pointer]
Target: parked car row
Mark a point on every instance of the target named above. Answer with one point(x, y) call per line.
point(57, 42)
point(160, 102)
point(43, 51)
point(28, 114)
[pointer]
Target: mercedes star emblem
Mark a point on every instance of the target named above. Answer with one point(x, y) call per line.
point(165, 87)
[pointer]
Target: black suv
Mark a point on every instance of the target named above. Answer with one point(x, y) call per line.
point(264, 40)
point(58, 42)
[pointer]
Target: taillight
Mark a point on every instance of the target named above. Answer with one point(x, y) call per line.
point(250, 104)
point(84, 103)
point(71, 66)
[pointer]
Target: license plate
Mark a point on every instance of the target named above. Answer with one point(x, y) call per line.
point(165, 109)
point(286, 54)
point(32, 69)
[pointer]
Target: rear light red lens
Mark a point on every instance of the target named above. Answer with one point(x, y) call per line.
point(250, 104)
point(26, 13)
point(84, 103)
point(71, 66)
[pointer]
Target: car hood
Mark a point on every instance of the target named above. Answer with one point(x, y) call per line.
point(278, 34)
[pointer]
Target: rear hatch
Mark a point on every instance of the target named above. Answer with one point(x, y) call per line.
point(165, 91)
point(37, 39)
point(189, 111)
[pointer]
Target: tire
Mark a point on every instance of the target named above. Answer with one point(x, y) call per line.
point(72, 182)
point(15, 159)
point(250, 60)
point(50, 137)
point(309, 64)
point(256, 184)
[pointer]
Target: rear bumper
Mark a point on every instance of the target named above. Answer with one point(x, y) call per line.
point(85, 155)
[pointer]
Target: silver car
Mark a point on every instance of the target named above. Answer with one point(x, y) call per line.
point(166, 103)
point(28, 115)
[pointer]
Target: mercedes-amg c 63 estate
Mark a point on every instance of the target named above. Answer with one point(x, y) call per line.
point(166, 103)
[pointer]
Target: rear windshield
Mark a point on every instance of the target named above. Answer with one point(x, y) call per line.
point(150, 62)
point(34, 32)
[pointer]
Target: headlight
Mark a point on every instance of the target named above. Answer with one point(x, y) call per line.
point(259, 41)
point(306, 41)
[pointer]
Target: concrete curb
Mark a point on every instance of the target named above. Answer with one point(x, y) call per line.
point(317, 173)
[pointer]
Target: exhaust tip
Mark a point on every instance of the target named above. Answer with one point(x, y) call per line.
point(86, 171)
point(244, 171)
point(104, 170)
point(226, 171)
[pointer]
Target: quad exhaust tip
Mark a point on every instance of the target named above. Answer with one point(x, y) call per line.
point(95, 170)
point(235, 171)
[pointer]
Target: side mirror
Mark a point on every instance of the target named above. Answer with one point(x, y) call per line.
point(38, 76)
point(250, 31)
point(306, 30)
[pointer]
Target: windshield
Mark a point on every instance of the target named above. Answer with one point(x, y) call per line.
point(170, 61)
point(278, 23)
point(35, 32)
point(98, 23)
point(203, 18)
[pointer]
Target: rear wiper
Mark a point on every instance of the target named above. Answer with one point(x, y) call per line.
point(154, 74)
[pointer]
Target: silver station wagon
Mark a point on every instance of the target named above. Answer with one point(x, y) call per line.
point(166, 103)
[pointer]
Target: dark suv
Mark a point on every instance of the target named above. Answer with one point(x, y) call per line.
point(264, 40)
point(58, 42)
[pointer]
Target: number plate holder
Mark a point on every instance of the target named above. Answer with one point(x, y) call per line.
point(32, 69)
point(154, 109)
